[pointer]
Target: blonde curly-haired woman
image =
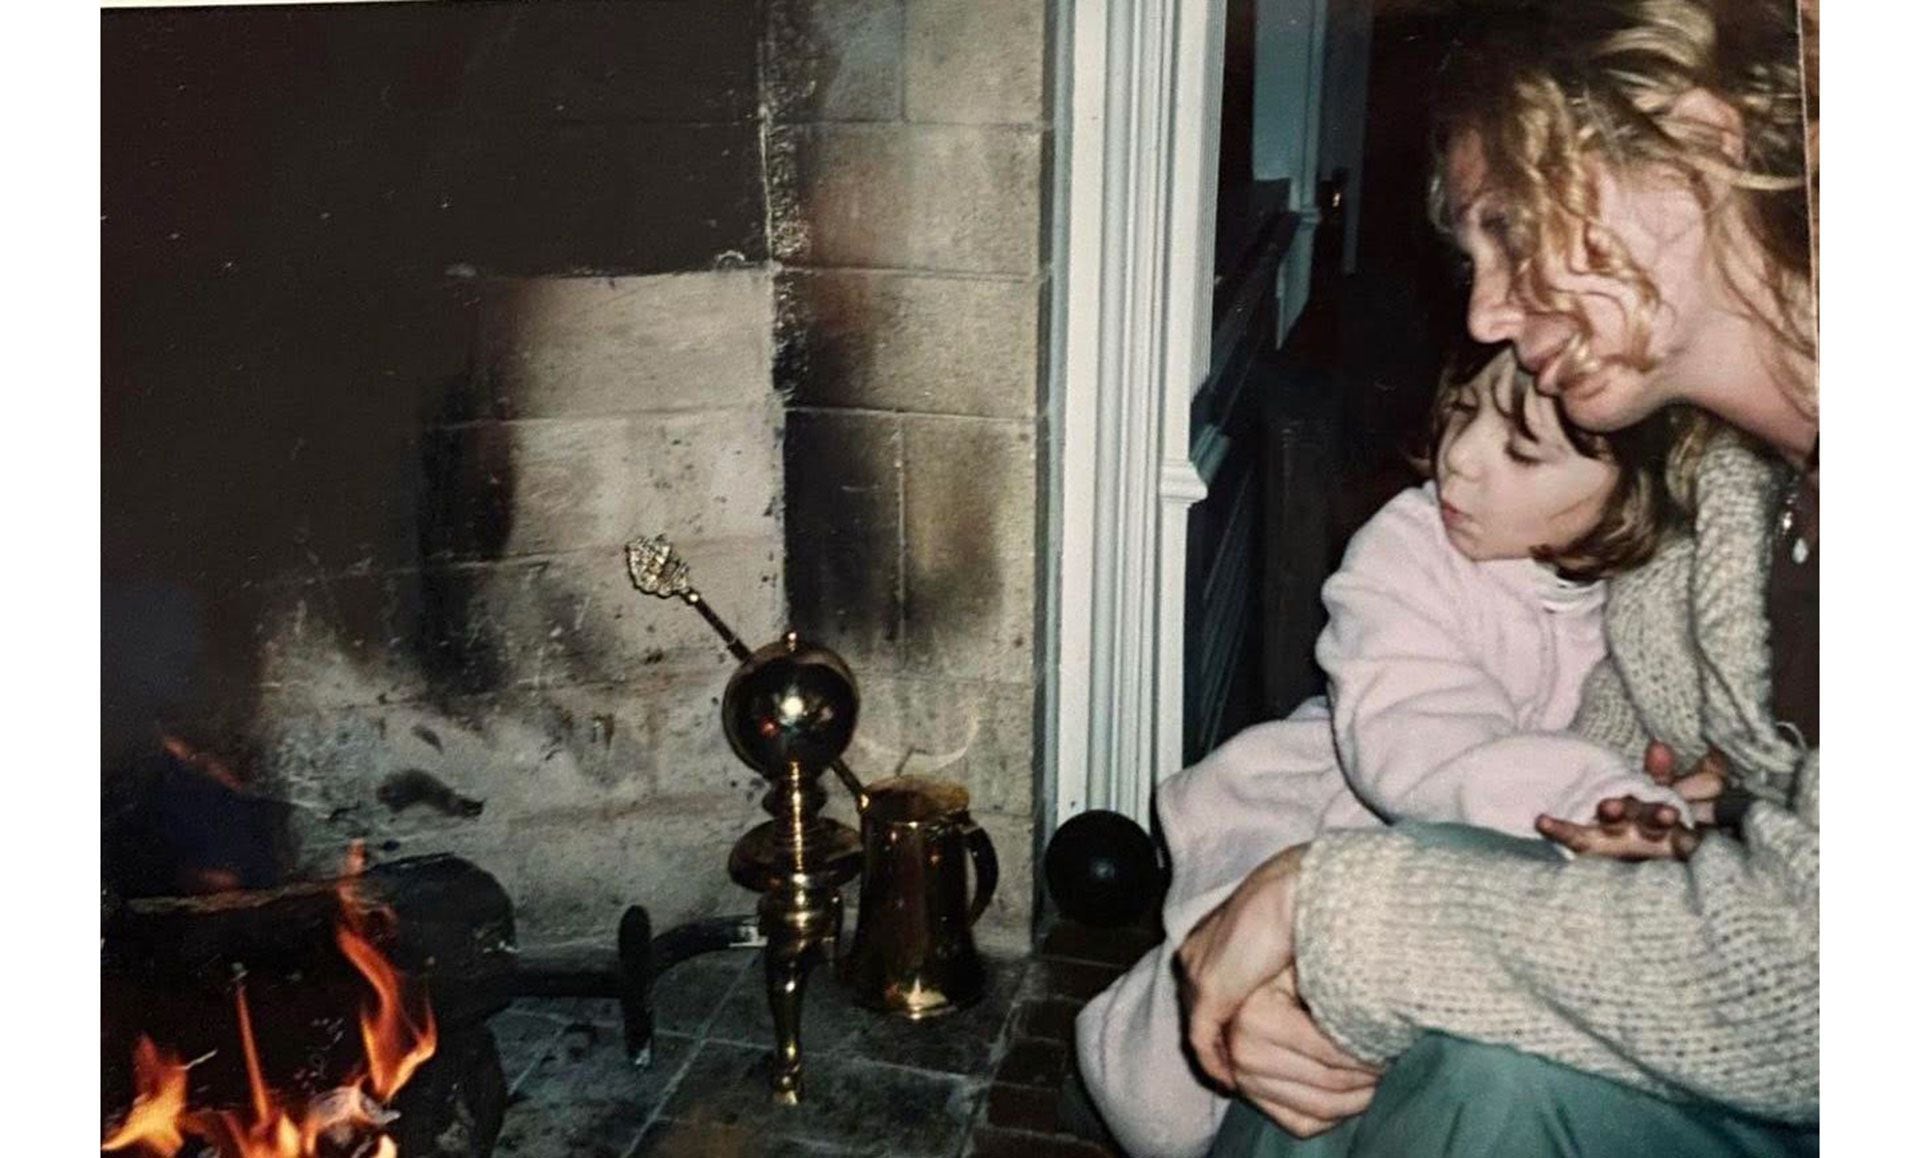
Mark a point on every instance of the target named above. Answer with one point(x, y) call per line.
point(1628, 181)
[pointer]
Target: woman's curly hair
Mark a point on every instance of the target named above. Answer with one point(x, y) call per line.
point(1550, 87)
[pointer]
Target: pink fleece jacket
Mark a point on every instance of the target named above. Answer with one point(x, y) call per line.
point(1449, 685)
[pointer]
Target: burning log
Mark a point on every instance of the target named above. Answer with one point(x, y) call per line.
point(262, 988)
point(452, 929)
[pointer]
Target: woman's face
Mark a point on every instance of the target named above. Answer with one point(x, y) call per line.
point(1658, 227)
point(1506, 491)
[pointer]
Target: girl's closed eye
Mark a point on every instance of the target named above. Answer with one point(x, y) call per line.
point(1523, 456)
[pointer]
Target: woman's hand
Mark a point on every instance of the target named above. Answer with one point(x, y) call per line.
point(1245, 1022)
point(1245, 943)
point(1288, 1069)
point(1700, 787)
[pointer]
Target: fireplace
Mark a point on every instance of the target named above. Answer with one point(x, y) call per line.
point(415, 314)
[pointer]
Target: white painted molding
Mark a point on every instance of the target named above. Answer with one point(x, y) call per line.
point(1133, 245)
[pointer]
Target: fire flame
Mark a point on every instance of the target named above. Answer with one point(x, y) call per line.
point(154, 1121)
point(396, 1044)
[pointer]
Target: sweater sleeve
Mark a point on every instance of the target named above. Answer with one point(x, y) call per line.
point(1606, 715)
point(1697, 979)
point(1424, 730)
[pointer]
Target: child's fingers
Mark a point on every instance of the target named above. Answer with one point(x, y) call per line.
point(1576, 837)
point(1655, 822)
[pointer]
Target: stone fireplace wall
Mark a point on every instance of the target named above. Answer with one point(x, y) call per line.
point(907, 173)
point(415, 313)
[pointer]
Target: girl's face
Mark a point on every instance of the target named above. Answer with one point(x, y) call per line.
point(1658, 227)
point(1505, 491)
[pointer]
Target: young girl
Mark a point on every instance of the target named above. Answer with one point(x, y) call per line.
point(1462, 623)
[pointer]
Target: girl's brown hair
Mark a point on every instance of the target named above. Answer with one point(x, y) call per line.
point(1643, 506)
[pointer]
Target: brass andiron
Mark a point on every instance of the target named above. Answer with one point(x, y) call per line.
point(789, 712)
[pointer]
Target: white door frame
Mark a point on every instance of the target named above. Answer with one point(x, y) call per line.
point(1138, 116)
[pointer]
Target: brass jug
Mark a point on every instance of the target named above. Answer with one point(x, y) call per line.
point(913, 950)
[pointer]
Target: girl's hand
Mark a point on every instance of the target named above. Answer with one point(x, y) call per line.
point(1625, 828)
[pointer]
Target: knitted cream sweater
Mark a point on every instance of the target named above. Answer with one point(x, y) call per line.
point(1688, 980)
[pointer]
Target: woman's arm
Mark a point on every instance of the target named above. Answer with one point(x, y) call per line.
point(1425, 731)
point(1606, 714)
point(1699, 978)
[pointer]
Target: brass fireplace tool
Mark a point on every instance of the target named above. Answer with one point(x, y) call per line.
point(789, 711)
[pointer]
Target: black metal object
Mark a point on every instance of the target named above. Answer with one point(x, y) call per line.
point(643, 957)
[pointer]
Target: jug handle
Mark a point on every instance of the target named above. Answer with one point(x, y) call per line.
point(986, 866)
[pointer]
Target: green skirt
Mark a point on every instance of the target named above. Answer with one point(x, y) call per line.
point(1465, 1099)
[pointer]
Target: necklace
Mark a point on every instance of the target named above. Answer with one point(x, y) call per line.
point(1798, 548)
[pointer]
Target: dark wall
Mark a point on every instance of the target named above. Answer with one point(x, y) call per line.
point(298, 205)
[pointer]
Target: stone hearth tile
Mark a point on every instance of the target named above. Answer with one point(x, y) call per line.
point(1050, 1019)
point(962, 1043)
point(1075, 980)
point(583, 1099)
point(688, 996)
point(965, 1042)
point(559, 1010)
point(1030, 1108)
point(1119, 948)
point(685, 997)
point(867, 1107)
point(523, 1038)
point(829, 1020)
point(1033, 1062)
point(674, 1139)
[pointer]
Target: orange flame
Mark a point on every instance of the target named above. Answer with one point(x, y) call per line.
point(154, 1122)
point(396, 1045)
